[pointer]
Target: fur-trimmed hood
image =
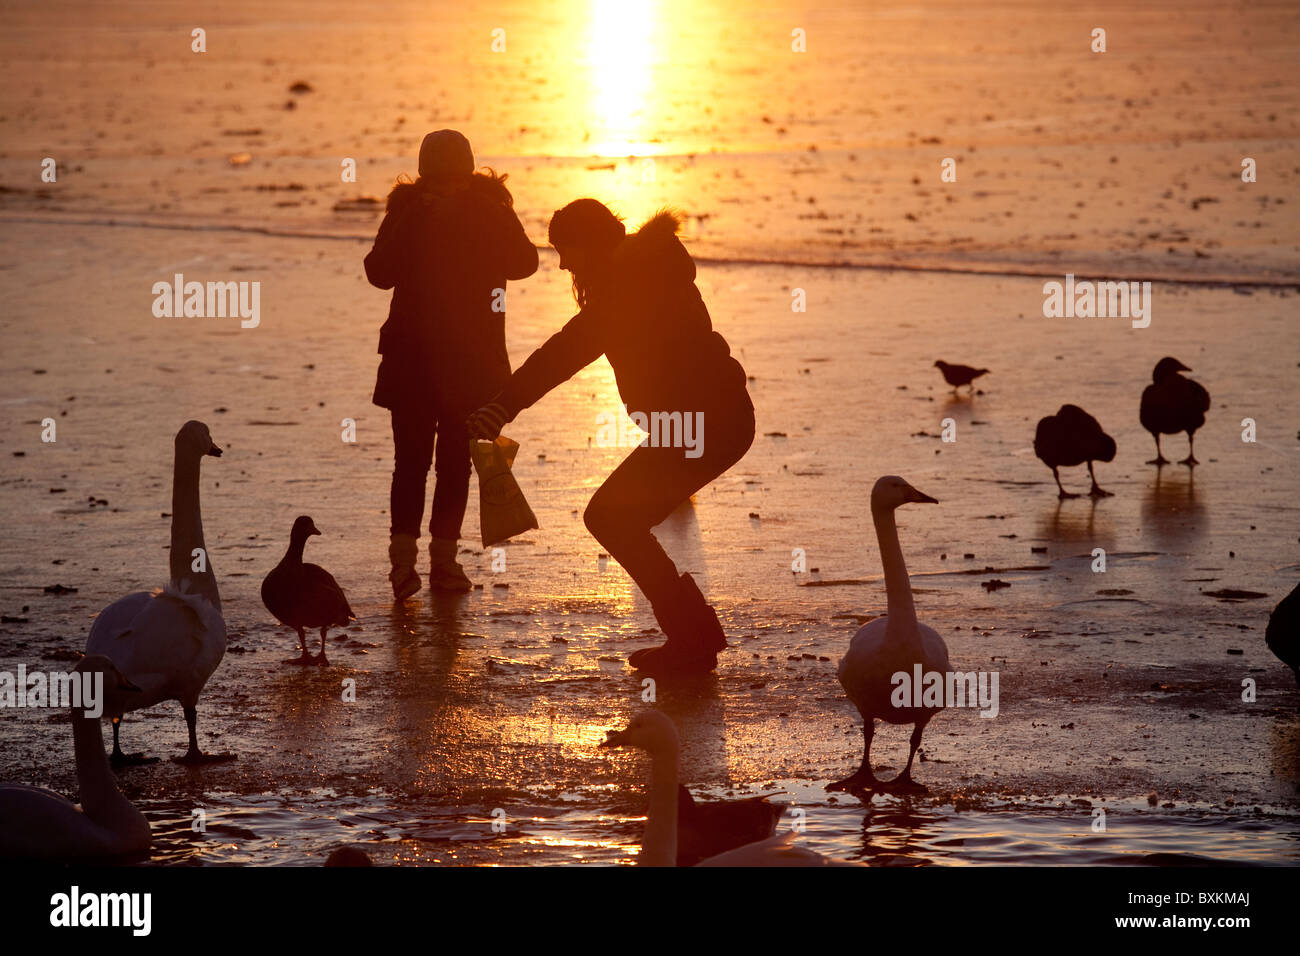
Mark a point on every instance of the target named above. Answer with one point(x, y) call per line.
point(655, 252)
point(475, 188)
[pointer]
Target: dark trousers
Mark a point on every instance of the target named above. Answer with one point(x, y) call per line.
point(415, 429)
point(649, 484)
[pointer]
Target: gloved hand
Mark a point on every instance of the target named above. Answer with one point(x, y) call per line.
point(486, 423)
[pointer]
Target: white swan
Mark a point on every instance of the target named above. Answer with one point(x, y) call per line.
point(40, 824)
point(168, 642)
point(654, 733)
point(890, 645)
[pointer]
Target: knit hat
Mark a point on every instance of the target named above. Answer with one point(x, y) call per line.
point(446, 153)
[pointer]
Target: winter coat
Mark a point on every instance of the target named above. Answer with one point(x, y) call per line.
point(445, 253)
point(648, 318)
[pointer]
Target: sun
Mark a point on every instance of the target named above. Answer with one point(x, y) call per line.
point(620, 56)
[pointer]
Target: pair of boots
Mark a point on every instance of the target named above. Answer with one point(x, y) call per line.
point(695, 636)
point(445, 572)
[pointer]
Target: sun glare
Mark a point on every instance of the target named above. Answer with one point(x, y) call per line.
point(620, 56)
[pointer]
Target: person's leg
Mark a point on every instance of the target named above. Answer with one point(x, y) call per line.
point(412, 456)
point(450, 496)
point(642, 492)
point(639, 494)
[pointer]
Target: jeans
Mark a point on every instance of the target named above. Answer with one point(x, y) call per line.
point(649, 484)
point(415, 429)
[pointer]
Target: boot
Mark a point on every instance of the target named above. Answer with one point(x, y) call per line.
point(694, 635)
point(402, 552)
point(445, 572)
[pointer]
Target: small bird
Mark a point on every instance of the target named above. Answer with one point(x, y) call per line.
point(1283, 633)
point(708, 828)
point(305, 595)
point(1071, 437)
point(1173, 404)
point(957, 375)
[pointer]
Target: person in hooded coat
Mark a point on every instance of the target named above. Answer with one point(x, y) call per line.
point(640, 308)
point(448, 244)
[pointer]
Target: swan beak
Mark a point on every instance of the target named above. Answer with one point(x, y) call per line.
point(215, 451)
point(314, 530)
point(921, 498)
point(613, 738)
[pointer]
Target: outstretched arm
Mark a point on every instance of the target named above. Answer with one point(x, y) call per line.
point(557, 360)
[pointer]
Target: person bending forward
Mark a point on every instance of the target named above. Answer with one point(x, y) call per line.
point(641, 309)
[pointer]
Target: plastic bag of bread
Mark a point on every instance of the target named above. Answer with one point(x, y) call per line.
point(502, 510)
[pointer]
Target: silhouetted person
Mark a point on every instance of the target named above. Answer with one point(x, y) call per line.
point(1173, 404)
point(640, 308)
point(1071, 437)
point(447, 246)
point(958, 375)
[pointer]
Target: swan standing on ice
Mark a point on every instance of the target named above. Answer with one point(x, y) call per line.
point(890, 645)
point(654, 733)
point(305, 595)
point(40, 824)
point(169, 642)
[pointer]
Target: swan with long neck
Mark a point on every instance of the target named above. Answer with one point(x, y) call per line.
point(40, 824)
point(168, 642)
point(890, 645)
point(654, 733)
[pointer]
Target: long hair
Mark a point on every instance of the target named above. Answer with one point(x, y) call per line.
point(587, 224)
point(486, 181)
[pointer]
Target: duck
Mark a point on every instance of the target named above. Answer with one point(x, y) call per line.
point(958, 375)
point(1172, 404)
point(895, 643)
point(169, 641)
point(1283, 632)
point(305, 595)
point(1071, 437)
point(707, 828)
point(40, 824)
point(653, 732)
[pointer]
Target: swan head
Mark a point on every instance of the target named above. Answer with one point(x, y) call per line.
point(939, 363)
point(303, 528)
point(891, 491)
point(195, 439)
point(1167, 367)
point(649, 730)
point(117, 689)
